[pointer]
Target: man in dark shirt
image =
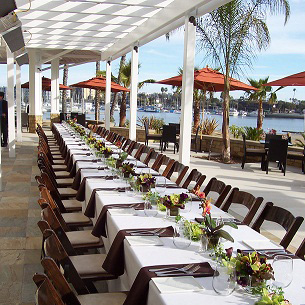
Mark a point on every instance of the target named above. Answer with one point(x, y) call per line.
point(3, 117)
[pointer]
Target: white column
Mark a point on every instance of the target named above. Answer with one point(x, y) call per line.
point(134, 93)
point(10, 102)
point(108, 94)
point(35, 83)
point(18, 103)
point(71, 101)
point(55, 95)
point(187, 91)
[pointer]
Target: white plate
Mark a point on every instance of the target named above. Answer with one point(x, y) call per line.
point(176, 284)
point(144, 240)
point(261, 244)
point(122, 212)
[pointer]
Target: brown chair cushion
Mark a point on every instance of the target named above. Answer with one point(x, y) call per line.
point(59, 167)
point(78, 238)
point(113, 298)
point(64, 182)
point(59, 162)
point(76, 218)
point(89, 264)
point(72, 205)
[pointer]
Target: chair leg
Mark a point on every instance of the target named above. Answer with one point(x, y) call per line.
point(243, 162)
point(267, 166)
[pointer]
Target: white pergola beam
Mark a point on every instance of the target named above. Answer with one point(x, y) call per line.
point(108, 94)
point(58, 55)
point(18, 103)
point(10, 102)
point(187, 92)
point(168, 19)
point(134, 93)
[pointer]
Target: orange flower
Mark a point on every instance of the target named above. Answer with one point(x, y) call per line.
point(206, 208)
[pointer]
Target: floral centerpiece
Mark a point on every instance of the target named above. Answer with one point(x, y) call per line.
point(122, 157)
point(252, 270)
point(90, 141)
point(174, 202)
point(79, 130)
point(99, 145)
point(271, 297)
point(127, 170)
point(118, 144)
point(106, 151)
point(145, 181)
point(210, 229)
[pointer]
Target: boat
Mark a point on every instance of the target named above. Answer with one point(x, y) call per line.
point(243, 113)
point(152, 109)
point(254, 114)
point(233, 112)
point(178, 111)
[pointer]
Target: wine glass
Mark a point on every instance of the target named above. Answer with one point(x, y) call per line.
point(224, 279)
point(160, 185)
point(150, 209)
point(283, 270)
point(182, 236)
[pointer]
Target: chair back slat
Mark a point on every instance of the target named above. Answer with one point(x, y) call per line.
point(301, 250)
point(282, 217)
point(194, 176)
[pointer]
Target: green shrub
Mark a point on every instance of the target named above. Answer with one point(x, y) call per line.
point(153, 123)
point(208, 126)
point(253, 133)
point(236, 131)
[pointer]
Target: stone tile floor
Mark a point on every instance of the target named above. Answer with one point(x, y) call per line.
point(20, 238)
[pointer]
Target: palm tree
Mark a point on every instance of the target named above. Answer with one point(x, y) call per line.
point(97, 93)
point(231, 35)
point(64, 92)
point(115, 96)
point(259, 96)
point(125, 77)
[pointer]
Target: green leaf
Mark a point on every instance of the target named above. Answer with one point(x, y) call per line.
point(254, 267)
point(224, 234)
point(231, 224)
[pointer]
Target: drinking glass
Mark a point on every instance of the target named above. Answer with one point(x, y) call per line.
point(182, 235)
point(203, 243)
point(131, 190)
point(160, 185)
point(150, 209)
point(283, 270)
point(224, 279)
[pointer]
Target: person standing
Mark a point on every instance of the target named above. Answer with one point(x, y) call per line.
point(3, 113)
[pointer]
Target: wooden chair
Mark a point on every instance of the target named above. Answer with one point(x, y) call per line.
point(301, 250)
point(169, 166)
point(158, 162)
point(282, 217)
point(151, 136)
point(71, 240)
point(67, 294)
point(46, 293)
point(293, 155)
point(148, 155)
point(252, 152)
point(246, 199)
point(79, 268)
point(219, 187)
point(178, 168)
point(139, 151)
point(196, 177)
point(131, 147)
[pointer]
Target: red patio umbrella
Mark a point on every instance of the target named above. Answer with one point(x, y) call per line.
point(209, 80)
point(292, 80)
point(46, 85)
point(99, 83)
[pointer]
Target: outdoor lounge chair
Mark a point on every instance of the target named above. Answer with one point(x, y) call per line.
point(151, 136)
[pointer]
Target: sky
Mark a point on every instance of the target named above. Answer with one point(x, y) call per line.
point(161, 59)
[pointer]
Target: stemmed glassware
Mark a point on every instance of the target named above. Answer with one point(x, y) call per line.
point(160, 185)
point(283, 270)
point(182, 235)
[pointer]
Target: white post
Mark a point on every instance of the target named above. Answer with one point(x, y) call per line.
point(71, 101)
point(18, 102)
point(134, 93)
point(83, 106)
point(35, 96)
point(55, 87)
point(187, 91)
point(108, 94)
point(10, 102)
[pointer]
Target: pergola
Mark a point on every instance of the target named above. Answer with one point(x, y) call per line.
point(79, 31)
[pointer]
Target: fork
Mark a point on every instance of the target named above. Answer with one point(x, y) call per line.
point(172, 272)
point(185, 268)
point(145, 231)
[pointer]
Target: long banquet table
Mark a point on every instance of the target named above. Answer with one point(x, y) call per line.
point(137, 257)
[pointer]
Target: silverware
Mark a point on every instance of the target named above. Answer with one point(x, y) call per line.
point(174, 272)
point(187, 267)
point(145, 231)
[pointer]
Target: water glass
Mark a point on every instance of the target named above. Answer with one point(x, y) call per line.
point(224, 279)
point(203, 243)
point(160, 185)
point(283, 270)
point(182, 236)
point(150, 209)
